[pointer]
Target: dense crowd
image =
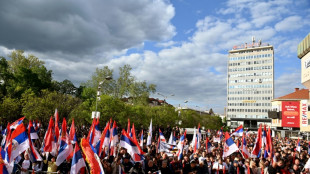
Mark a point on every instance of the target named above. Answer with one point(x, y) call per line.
point(284, 159)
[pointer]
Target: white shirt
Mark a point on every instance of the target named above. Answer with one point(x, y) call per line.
point(25, 165)
point(218, 166)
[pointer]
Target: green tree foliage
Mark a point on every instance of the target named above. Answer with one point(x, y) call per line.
point(43, 106)
point(10, 110)
point(191, 118)
point(29, 73)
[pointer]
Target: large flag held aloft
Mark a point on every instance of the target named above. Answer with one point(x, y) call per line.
point(229, 146)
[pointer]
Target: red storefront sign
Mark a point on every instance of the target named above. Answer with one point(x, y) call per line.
point(290, 114)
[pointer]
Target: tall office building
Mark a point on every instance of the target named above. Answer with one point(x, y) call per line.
point(250, 86)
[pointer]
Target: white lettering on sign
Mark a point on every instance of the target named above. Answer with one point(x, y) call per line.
point(304, 113)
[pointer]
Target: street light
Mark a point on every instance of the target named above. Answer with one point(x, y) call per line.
point(165, 97)
point(98, 93)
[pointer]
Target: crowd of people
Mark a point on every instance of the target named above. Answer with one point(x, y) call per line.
point(284, 159)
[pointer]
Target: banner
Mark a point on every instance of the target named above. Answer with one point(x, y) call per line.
point(290, 114)
point(304, 113)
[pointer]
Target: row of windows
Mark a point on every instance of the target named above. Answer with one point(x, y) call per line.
point(248, 110)
point(251, 91)
point(251, 74)
point(249, 104)
point(249, 68)
point(250, 57)
point(250, 86)
point(251, 80)
point(246, 116)
point(251, 62)
point(249, 98)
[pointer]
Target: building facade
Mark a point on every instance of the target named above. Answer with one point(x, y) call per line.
point(250, 84)
point(289, 112)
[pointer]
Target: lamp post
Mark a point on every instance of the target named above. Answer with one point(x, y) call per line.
point(98, 93)
point(165, 97)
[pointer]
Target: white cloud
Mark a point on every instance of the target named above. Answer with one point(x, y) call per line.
point(166, 44)
point(291, 23)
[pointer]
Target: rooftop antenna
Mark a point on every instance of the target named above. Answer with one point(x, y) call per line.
point(253, 41)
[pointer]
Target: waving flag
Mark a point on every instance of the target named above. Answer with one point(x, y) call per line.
point(132, 147)
point(72, 136)
point(31, 131)
point(149, 135)
point(6, 136)
point(91, 157)
point(91, 133)
point(181, 146)
point(77, 161)
point(56, 125)
point(33, 153)
point(258, 145)
point(97, 133)
point(167, 148)
point(244, 150)
point(298, 146)
point(20, 141)
point(161, 136)
point(198, 136)
point(113, 139)
point(3, 168)
point(141, 139)
point(269, 143)
point(133, 133)
point(309, 148)
point(16, 123)
point(100, 144)
point(229, 146)
point(65, 148)
point(264, 137)
point(238, 131)
point(208, 146)
point(172, 139)
point(128, 127)
point(49, 137)
point(194, 141)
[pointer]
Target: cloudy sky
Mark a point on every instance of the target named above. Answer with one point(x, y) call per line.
point(179, 45)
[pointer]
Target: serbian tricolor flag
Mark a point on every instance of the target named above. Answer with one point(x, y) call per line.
point(3, 168)
point(238, 131)
point(208, 145)
point(113, 139)
point(16, 123)
point(77, 161)
point(91, 157)
point(161, 136)
point(181, 146)
point(298, 146)
point(100, 143)
point(264, 137)
point(33, 153)
point(31, 131)
point(229, 146)
point(65, 148)
point(149, 135)
point(97, 133)
point(258, 145)
point(172, 139)
point(91, 133)
point(56, 125)
point(198, 136)
point(49, 137)
point(128, 127)
point(19, 141)
point(141, 139)
point(132, 147)
point(133, 133)
point(244, 150)
point(72, 136)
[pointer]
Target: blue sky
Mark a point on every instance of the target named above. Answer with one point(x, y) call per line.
point(180, 45)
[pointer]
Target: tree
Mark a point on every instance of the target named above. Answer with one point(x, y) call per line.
point(28, 72)
point(10, 109)
point(43, 106)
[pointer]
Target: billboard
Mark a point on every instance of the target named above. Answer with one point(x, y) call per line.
point(290, 114)
point(304, 113)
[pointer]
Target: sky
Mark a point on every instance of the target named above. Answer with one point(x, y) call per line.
point(179, 45)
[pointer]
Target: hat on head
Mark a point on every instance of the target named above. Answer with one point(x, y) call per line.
point(193, 161)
